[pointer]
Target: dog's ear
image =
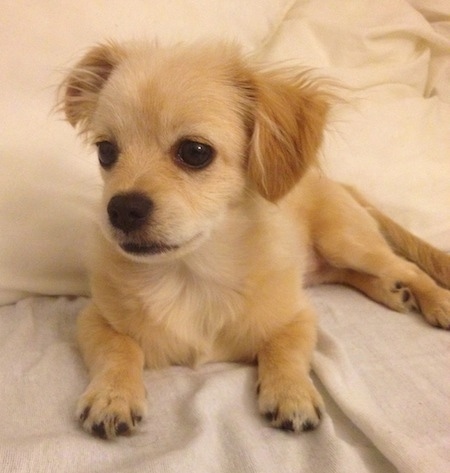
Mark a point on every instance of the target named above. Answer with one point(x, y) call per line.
point(82, 86)
point(288, 123)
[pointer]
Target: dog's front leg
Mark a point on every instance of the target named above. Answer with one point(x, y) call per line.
point(287, 396)
point(115, 400)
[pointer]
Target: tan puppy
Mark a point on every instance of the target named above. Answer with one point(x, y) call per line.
point(214, 216)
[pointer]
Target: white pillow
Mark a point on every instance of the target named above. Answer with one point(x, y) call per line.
point(48, 181)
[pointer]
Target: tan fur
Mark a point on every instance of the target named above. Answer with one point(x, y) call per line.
point(232, 242)
point(429, 259)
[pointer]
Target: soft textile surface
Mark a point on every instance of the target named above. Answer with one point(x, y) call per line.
point(384, 376)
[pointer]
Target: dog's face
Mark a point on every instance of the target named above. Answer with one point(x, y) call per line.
point(171, 141)
point(183, 135)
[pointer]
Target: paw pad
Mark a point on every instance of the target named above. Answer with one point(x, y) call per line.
point(406, 297)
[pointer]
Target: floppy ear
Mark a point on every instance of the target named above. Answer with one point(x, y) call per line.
point(82, 86)
point(289, 119)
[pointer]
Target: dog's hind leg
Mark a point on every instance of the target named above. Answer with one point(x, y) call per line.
point(396, 296)
point(347, 237)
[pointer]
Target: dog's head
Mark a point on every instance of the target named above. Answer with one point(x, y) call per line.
point(184, 134)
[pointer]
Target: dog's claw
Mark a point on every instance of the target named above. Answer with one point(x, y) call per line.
point(292, 409)
point(122, 428)
point(287, 425)
point(99, 430)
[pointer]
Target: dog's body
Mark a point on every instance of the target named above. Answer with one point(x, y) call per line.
point(215, 217)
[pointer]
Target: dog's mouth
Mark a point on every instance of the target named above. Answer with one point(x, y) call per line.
point(153, 248)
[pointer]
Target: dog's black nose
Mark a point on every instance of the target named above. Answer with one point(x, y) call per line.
point(130, 211)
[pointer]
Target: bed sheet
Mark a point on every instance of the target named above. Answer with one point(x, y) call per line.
point(383, 375)
point(384, 378)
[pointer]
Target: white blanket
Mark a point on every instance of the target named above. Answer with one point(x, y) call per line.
point(384, 376)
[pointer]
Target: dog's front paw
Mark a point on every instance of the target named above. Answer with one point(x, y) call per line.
point(291, 405)
point(107, 411)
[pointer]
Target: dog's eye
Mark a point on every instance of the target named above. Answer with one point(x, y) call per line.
point(107, 153)
point(194, 155)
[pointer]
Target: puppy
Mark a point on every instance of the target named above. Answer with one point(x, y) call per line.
point(214, 218)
